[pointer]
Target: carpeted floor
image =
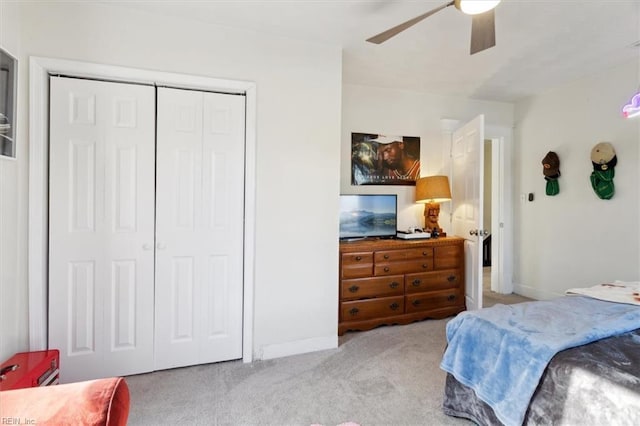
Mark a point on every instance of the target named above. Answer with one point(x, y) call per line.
point(489, 298)
point(385, 376)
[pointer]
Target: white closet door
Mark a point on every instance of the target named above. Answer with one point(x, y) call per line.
point(199, 214)
point(101, 229)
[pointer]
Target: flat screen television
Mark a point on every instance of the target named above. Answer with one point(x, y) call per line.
point(368, 215)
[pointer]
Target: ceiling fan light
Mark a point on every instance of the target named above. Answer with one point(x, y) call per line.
point(475, 7)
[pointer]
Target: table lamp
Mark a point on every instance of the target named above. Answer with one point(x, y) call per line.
point(431, 191)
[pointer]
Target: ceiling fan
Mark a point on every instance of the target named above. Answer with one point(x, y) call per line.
point(483, 31)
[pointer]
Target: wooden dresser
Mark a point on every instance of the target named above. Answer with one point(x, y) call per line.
point(399, 281)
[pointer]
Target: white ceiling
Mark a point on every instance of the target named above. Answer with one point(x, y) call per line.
point(540, 43)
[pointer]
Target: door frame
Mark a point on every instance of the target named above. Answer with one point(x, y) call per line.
point(39, 70)
point(502, 204)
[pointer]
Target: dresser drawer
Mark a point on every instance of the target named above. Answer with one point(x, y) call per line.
point(436, 280)
point(434, 300)
point(371, 308)
point(394, 255)
point(356, 265)
point(446, 257)
point(359, 288)
point(404, 267)
point(357, 271)
point(358, 258)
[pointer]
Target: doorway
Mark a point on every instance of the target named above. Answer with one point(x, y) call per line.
point(145, 201)
point(497, 140)
point(40, 70)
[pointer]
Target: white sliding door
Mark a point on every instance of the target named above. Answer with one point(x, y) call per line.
point(101, 227)
point(199, 215)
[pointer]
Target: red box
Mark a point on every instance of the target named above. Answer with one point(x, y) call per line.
point(31, 369)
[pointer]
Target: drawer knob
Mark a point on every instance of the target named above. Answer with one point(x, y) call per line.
point(358, 258)
point(451, 297)
point(354, 288)
point(416, 282)
point(386, 256)
point(416, 302)
point(386, 269)
point(451, 278)
point(354, 311)
point(394, 285)
point(424, 253)
point(394, 306)
point(425, 266)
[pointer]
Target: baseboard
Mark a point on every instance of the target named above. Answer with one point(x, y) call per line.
point(535, 293)
point(298, 347)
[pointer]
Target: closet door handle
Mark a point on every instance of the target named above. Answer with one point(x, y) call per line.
point(147, 246)
point(161, 246)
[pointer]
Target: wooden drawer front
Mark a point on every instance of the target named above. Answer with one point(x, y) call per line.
point(434, 300)
point(446, 257)
point(394, 255)
point(357, 271)
point(437, 280)
point(407, 266)
point(372, 287)
point(371, 308)
point(357, 258)
point(356, 265)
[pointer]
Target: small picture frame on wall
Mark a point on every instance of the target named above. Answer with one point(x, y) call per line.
point(384, 160)
point(8, 94)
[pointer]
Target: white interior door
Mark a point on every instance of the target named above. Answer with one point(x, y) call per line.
point(467, 152)
point(101, 229)
point(199, 217)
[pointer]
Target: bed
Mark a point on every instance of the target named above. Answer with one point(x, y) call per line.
point(574, 360)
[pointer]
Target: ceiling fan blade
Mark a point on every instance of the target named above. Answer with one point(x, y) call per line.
point(483, 31)
point(384, 36)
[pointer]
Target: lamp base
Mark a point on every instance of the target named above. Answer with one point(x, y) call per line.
point(431, 215)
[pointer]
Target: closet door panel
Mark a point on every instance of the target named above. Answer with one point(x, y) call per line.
point(200, 210)
point(101, 230)
point(223, 213)
point(179, 241)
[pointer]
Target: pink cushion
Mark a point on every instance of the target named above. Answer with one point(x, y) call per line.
point(94, 402)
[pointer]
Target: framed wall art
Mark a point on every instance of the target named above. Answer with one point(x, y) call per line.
point(384, 159)
point(8, 92)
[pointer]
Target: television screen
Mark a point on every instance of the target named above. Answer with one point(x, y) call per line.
point(364, 216)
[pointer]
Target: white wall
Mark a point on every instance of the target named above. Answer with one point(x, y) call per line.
point(13, 292)
point(576, 239)
point(399, 112)
point(298, 137)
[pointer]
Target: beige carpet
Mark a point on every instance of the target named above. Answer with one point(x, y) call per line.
point(490, 298)
point(386, 376)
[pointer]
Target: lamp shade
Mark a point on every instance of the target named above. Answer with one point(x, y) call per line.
point(432, 189)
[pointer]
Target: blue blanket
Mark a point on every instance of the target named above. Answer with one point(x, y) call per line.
point(502, 351)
